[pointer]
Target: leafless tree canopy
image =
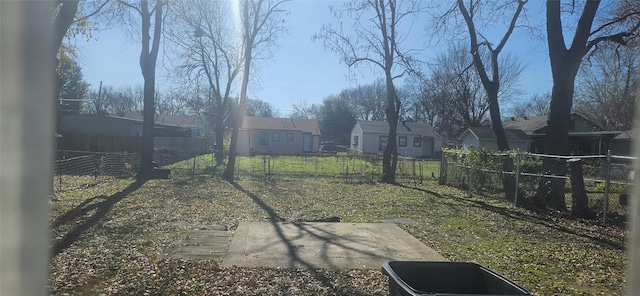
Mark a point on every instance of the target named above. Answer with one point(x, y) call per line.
point(536, 105)
point(371, 33)
point(607, 84)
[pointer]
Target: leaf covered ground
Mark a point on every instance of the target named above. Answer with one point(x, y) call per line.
point(108, 238)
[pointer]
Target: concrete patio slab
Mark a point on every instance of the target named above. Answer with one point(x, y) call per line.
point(323, 245)
point(204, 242)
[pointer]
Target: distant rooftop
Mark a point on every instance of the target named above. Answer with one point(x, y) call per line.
point(291, 124)
point(512, 134)
point(175, 120)
point(403, 127)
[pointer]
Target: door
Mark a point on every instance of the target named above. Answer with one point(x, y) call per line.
point(306, 142)
point(427, 146)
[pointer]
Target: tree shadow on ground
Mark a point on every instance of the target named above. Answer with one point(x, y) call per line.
point(531, 217)
point(102, 208)
point(557, 224)
point(276, 221)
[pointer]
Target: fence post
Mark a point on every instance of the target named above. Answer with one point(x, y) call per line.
point(346, 173)
point(518, 157)
point(264, 164)
point(193, 170)
point(415, 175)
point(372, 171)
point(607, 182)
point(443, 168)
point(469, 180)
point(269, 168)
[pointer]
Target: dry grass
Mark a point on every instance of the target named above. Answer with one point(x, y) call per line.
point(108, 239)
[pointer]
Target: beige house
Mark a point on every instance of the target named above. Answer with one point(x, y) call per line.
point(268, 135)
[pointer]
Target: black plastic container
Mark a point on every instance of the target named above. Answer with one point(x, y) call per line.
point(414, 278)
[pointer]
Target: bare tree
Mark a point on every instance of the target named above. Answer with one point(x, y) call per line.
point(618, 23)
point(65, 15)
point(490, 74)
point(536, 105)
point(261, 22)
point(607, 85)
point(375, 38)
point(367, 101)
point(151, 18)
point(451, 96)
point(208, 53)
point(257, 107)
point(111, 101)
point(305, 111)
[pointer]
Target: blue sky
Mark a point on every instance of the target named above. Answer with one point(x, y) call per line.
point(302, 69)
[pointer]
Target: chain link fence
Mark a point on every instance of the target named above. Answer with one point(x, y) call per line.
point(89, 168)
point(85, 168)
point(343, 167)
point(591, 187)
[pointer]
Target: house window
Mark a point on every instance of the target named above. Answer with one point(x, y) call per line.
point(355, 141)
point(275, 137)
point(417, 141)
point(289, 137)
point(383, 142)
point(263, 138)
point(402, 141)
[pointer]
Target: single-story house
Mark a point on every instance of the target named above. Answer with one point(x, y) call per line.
point(484, 137)
point(622, 143)
point(278, 135)
point(101, 125)
point(585, 138)
point(414, 139)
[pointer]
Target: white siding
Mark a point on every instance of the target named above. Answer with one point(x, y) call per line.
point(244, 142)
point(469, 140)
point(371, 142)
point(356, 131)
point(430, 145)
point(249, 142)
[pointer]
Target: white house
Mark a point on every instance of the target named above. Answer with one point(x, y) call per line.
point(278, 135)
point(414, 139)
point(483, 137)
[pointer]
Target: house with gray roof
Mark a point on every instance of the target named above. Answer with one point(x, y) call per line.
point(585, 137)
point(414, 139)
point(268, 135)
point(484, 137)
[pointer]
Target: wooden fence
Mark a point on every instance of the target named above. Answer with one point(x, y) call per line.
point(132, 144)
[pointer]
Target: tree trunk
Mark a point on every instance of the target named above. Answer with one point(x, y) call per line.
point(61, 25)
point(148, 56)
point(148, 114)
point(219, 148)
point(242, 105)
point(579, 198)
point(390, 153)
point(564, 68)
point(508, 180)
point(551, 190)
